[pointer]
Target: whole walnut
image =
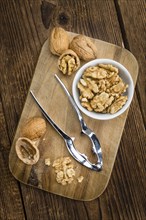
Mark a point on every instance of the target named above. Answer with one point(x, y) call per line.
point(34, 128)
point(59, 41)
point(83, 47)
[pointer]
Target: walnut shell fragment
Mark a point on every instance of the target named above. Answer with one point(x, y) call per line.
point(83, 47)
point(68, 62)
point(59, 41)
point(34, 128)
point(27, 151)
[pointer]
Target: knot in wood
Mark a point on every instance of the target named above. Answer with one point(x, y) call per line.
point(63, 19)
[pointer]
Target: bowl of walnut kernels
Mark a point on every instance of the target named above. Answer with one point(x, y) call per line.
point(103, 89)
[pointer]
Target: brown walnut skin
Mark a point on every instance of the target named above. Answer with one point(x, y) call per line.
point(34, 128)
point(83, 47)
point(59, 41)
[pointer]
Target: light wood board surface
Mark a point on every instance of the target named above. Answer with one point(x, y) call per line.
point(55, 102)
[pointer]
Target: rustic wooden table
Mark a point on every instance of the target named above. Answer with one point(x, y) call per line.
point(24, 26)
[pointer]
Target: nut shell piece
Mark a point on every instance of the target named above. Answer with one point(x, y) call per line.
point(59, 41)
point(27, 151)
point(83, 47)
point(34, 128)
point(68, 62)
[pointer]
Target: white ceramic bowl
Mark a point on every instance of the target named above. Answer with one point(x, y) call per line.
point(123, 73)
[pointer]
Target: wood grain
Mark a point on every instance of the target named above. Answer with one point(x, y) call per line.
point(47, 90)
point(9, 187)
point(124, 197)
point(134, 42)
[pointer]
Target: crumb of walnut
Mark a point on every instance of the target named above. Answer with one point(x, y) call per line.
point(80, 179)
point(47, 162)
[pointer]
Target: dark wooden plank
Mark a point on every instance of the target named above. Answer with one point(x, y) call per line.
point(134, 34)
point(16, 62)
point(10, 196)
point(97, 19)
point(4, 139)
point(49, 206)
point(18, 56)
point(127, 190)
point(22, 34)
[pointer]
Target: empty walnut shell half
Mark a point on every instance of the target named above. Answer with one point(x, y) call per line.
point(68, 62)
point(34, 128)
point(83, 47)
point(59, 41)
point(27, 151)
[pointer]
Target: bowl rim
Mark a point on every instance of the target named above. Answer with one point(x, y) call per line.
point(102, 116)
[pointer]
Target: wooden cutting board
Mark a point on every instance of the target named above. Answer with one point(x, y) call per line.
point(53, 99)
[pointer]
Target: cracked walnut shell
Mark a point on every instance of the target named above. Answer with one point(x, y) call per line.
point(68, 62)
point(27, 151)
point(83, 47)
point(59, 41)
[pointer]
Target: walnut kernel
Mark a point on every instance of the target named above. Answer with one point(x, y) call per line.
point(80, 179)
point(68, 62)
point(101, 89)
point(47, 162)
point(64, 170)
